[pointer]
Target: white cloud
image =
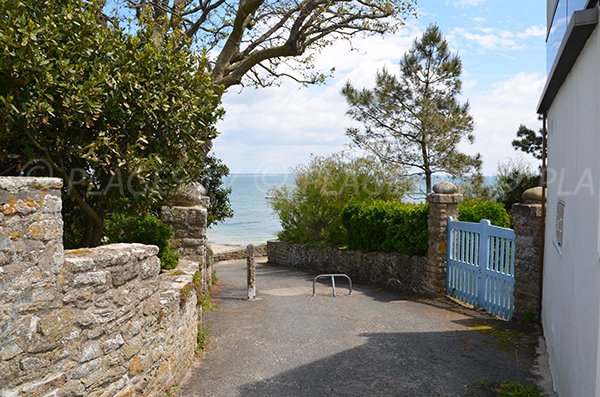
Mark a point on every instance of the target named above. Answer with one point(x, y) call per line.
point(467, 3)
point(488, 39)
point(532, 31)
point(271, 130)
point(274, 129)
point(499, 111)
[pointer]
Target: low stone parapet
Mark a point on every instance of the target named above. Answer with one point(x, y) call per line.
point(397, 272)
point(86, 322)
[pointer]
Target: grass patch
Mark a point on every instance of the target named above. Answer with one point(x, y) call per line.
point(204, 298)
point(177, 273)
point(185, 294)
point(201, 338)
point(214, 278)
point(205, 301)
point(516, 389)
point(484, 388)
point(197, 280)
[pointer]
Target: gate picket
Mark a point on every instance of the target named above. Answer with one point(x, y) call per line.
point(481, 266)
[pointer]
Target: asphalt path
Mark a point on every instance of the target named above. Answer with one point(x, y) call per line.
point(372, 343)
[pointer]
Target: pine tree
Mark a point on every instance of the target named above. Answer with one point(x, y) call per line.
point(415, 120)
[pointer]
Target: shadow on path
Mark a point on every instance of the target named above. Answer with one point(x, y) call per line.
point(373, 343)
point(398, 364)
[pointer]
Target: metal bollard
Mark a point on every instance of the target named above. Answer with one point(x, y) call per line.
point(251, 264)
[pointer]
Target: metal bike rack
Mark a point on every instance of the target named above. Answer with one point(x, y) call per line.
point(333, 276)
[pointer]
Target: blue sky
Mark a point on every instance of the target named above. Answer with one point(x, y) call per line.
point(501, 44)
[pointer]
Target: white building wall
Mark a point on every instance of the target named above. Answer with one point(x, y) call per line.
point(571, 310)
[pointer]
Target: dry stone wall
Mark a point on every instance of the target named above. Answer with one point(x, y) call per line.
point(529, 256)
point(189, 226)
point(88, 322)
point(394, 271)
point(442, 204)
point(410, 274)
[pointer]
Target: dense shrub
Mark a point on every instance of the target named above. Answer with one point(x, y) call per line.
point(387, 226)
point(473, 210)
point(123, 116)
point(513, 178)
point(310, 212)
point(145, 229)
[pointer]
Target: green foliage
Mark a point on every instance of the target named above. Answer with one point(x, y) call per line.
point(386, 226)
point(145, 229)
point(185, 294)
point(506, 389)
point(512, 179)
point(250, 40)
point(201, 338)
point(516, 389)
point(204, 298)
point(212, 179)
point(124, 119)
point(205, 302)
point(473, 210)
point(214, 279)
point(310, 213)
point(473, 186)
point(415, 120)
point(529, 141)
point(197, 280)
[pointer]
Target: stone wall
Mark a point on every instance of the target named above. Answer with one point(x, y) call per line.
point(88, 322)
point(260, 250)
point(393, 271)
point(189, 239)
point(399, 272)
point(443, 202)
point(529, 230)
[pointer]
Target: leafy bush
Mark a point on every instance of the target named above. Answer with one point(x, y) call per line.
point(387, 226)
point(146, 229)
point(473, 210)
point(512, 179)
point(113, 112)
point(310, 213)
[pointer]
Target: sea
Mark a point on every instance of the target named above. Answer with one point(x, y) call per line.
point(254, 221)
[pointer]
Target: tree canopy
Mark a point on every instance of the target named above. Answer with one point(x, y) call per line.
point(123, 120)
point(259, 41)
point(415, 119)
point(529, 141)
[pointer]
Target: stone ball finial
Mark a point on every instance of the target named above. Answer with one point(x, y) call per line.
point(445, 187)
point(532, 195)
point(192, 195)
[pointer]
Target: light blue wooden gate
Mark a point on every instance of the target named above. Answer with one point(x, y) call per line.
point(481, 266)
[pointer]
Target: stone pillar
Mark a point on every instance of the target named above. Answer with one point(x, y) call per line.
point(443, 202)
point(189, 218)
point(529, 230)
point(31, 259)
point(31, 246)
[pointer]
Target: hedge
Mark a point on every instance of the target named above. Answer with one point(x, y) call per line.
point(144, 229)
point(473, 210)
point(386, 226)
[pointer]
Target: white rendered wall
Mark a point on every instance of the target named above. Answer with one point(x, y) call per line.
point(571, 309)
